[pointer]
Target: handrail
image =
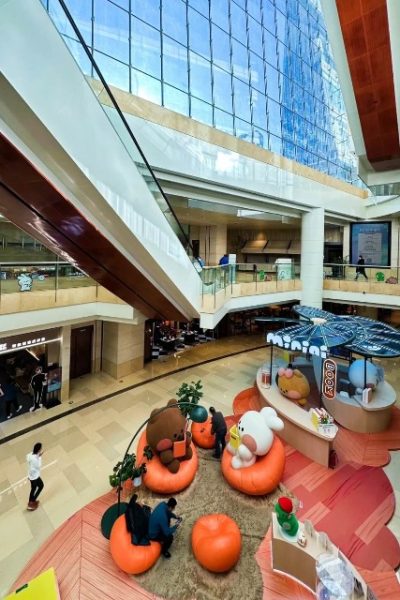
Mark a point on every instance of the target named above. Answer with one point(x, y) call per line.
point(122, 117)
point(366, 265)
point(36, 262)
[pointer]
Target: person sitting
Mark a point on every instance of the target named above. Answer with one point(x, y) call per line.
point(224, 260)
point(137, 522)
point(159, 525)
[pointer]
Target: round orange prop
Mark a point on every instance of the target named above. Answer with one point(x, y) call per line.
point(262, 477)
point(129, 558)
point(216, 542)
point(202, 436)
point(158, 479)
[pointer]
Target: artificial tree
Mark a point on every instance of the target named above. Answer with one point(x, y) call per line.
point(127, 469)
point(189, 395)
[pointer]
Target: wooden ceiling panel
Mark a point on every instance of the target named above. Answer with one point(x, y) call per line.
point(365, 31)
point(350, 10)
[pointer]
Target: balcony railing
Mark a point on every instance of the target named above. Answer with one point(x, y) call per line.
point(362, 279)
point(222, 282)
point(38, 285)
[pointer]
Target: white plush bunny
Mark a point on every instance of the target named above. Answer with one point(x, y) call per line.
point(256, 436)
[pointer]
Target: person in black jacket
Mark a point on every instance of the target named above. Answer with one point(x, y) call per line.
point(137, 522)
point(38, 384)
point(360, 269)
point(218, 428)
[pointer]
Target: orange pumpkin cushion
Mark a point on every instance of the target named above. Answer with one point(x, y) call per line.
point(158, 479)
point(262, 477)
point(216, 542)
point(201, 434)
point(129, 558)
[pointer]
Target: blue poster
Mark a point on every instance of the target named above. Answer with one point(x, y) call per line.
point(372, 242)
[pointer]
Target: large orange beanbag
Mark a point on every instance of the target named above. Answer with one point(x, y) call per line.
point(159, 479)
point(216, 542)
point(262, 477)
point(202, 436)
point(129, 558)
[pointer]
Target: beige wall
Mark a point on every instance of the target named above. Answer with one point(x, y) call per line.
point(123, 348)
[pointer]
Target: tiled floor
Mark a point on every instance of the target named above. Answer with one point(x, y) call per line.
point(82, 448)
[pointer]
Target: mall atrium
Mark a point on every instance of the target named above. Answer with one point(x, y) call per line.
point(200, 191)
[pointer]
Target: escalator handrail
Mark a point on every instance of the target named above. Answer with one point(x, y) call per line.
point(122, 117)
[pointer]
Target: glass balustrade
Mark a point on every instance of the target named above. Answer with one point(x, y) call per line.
point(341, 275)
point(223, 277)
point(31, 277)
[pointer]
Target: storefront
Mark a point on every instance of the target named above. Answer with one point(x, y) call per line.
point(21, 357)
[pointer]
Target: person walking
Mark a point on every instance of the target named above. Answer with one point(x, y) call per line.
point(38, 383)
point(11, 398)
point(34, 460)
point(360, 269)
point(160, 529)
point(218, 428)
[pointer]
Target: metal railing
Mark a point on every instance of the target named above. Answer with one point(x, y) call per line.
point(347, 272)
point(253, 279)
point(34, 276)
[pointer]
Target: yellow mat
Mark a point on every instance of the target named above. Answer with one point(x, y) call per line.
point(43, 587)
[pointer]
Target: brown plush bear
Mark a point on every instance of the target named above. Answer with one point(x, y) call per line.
point(293, 384)
point(164, 429)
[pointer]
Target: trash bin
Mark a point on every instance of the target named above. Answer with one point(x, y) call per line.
point(283, 268)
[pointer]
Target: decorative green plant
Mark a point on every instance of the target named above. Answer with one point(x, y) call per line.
point(128, 469)
point(189, 395)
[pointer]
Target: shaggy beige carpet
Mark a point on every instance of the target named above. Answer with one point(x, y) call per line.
point(181, 577)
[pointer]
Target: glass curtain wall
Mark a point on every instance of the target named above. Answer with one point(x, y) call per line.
point(261, 70)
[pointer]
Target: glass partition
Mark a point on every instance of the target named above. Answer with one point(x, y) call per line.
point(40, 277)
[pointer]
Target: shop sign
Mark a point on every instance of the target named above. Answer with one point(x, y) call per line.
point(27, 340)
point(329, 373)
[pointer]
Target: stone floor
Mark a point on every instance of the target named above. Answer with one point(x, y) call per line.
point(81, 448)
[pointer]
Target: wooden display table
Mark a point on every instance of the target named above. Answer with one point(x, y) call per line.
point(300, 563)
point(299, 431)
point(373, 417)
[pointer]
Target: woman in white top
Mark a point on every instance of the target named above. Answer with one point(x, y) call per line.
point(34, 459)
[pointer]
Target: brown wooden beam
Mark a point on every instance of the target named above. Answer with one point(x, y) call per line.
point(30, 201)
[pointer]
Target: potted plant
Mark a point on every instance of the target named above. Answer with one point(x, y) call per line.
point(126, 471)
point(137, 475)
point(189, 395)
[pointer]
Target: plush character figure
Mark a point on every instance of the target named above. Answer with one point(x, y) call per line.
point(293, 384)
point(254, 431)
point(167, 436)
point(286, 517)
point(359, 369)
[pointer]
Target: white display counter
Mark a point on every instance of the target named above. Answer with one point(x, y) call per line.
point(299, 431)
point(300, 563)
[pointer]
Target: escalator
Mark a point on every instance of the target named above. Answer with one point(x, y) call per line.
point(73, 176)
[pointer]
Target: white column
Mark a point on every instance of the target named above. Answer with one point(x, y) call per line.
point(65, 360)
point(312, 257)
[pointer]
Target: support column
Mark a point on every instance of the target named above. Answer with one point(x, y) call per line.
point(96, 363)
point(65, 357)
point(213, 243)
point(312, 257)
point(123, 348)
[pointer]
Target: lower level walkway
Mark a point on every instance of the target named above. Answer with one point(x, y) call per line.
point(82, 447)
point(90, 388)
